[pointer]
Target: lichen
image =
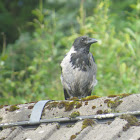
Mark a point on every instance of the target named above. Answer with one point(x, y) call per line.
point(87, 122)
point(74, 114)
point(90, 98)
point(72, 137)
point(93, 107)
point(13, 108)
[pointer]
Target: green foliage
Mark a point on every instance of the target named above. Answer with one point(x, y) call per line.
point(13, 16)
point(29, 68)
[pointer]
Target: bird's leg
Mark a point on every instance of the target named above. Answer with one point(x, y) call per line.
point(66, 94)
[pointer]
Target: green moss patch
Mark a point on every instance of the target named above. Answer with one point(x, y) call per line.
point(78, 104)
point(72, 137)
point(74, 114)
point(124, 95)
point(93, 107)
point(107, 111)
point(68, 105)
point(12, 108)
point(69, 125)
point(120, 95)
point(87, 122)
point(90, 98)
point(115, 103)
point(30, 107)
point(99, 112)
point(52, 105)
point(71, 105)
point(112, 96)
point(1, 106)
point(106, 101)
point(1, 118)
point(58, 126)
point(132, 121)
point(61, 104)
point(86, 103)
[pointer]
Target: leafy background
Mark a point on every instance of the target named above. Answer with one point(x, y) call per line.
point(35, 35)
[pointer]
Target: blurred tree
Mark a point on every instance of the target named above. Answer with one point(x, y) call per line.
point(13, 18)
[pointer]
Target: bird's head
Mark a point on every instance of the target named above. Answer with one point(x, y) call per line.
point(83, 43)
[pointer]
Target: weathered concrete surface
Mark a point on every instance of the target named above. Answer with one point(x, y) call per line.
point(118, 129)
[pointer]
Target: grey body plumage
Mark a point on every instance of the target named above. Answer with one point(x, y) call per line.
point(79, 69)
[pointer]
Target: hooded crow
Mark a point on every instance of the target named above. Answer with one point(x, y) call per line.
point(78, 75)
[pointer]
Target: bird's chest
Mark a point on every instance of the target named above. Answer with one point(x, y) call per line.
point(80, 61)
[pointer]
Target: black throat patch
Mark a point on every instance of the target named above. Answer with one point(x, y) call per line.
point(80, 60)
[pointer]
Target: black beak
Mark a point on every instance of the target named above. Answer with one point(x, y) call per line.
point(91, 40)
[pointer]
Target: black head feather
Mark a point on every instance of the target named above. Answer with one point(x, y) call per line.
point(83, 43)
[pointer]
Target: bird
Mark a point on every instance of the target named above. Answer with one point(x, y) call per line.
point(78, 69)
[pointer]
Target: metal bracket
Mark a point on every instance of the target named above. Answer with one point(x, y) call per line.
point(37, 111)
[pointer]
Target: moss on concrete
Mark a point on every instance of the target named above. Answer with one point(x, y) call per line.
point(1, 118)
point(115, 103)
point(52, 105)
point(87, 122)
point(90, 98)
point(86, 103)
point(30, 107)
point(12, 108)
point(72, 137)
point(1, 106)
point(99, 112)
point(74, 114)
point(93, 107)
point(132, 121)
